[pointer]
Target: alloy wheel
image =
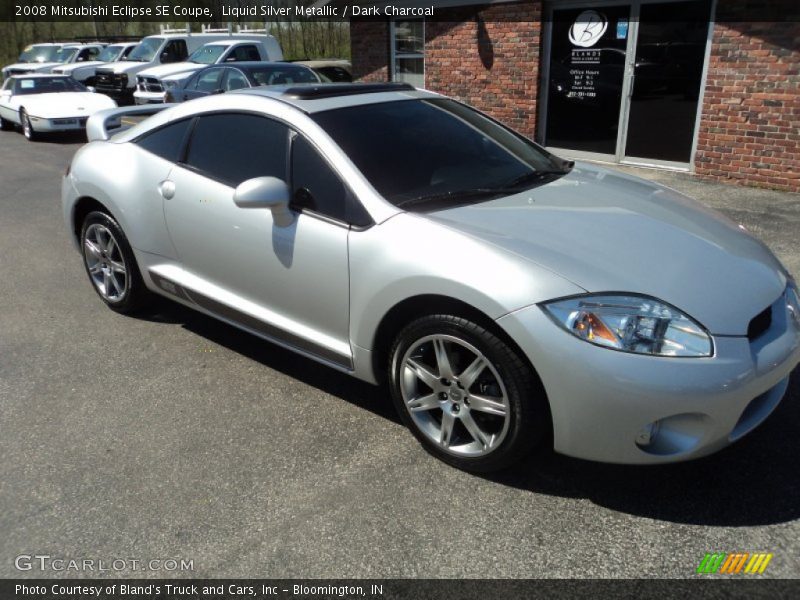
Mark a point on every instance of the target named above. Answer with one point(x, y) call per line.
point(454, 395)
point(105, 262)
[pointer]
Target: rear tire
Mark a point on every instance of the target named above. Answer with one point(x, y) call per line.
point(111, 265)
point(466, 394)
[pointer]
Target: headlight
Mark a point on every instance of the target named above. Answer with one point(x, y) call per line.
point(635, 324)
point(793, 302)
point(168, 84)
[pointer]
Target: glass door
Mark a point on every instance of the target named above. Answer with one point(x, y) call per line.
point(585, 85)
point(624, 80)
point(666, 79)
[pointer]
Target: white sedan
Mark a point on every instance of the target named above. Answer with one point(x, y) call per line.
point(48, 103)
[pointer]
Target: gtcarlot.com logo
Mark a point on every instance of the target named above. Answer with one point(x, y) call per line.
point(734, 563)
point(45, 562)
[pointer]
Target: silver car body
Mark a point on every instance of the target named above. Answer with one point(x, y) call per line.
point(323, 289)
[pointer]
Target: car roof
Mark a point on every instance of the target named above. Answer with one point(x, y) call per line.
point(318, 97)
point(39, 76)
point(230, 42)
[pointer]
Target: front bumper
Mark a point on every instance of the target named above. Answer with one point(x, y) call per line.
point(140, 97)
point(48, 125)
point(626, 408)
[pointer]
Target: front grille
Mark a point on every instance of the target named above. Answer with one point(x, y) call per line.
point(148, 84)
point(759, 324)
point(105, 81)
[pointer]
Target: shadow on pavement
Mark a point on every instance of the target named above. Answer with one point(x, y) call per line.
point(754, 482)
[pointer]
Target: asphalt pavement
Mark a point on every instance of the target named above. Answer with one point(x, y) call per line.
point(174, 436)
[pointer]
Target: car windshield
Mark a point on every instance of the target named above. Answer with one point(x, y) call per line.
point(207, 55)
point(65, 55)
point(277, 75)
point(110, 53)
point(435, 153)
point(146, 51)
point(38, 54)
point(46, 85)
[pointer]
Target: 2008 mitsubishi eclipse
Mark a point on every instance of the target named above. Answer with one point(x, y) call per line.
point(506, 296)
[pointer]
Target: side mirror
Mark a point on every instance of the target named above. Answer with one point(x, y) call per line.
point(266, 192)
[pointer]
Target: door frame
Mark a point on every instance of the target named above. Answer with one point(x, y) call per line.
point(619, 156)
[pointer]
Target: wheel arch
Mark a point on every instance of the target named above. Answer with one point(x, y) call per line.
point(422, 305)
point(82, 207)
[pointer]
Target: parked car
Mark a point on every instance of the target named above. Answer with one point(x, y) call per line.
point(152, 84)
point(228, 77)
point(332, 70)
point(172, 46)
point(34, 54)
point(47, 103)
point(84, 71)
point(66, 54)
point(508, 297)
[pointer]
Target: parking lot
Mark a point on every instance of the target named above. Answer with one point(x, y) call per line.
point(174, 436)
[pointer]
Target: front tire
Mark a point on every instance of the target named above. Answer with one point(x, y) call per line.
point(466, 394)
point(111, 265)
point(6, 125)
point(27, 127)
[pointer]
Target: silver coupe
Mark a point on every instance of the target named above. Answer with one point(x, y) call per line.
point(507, 298)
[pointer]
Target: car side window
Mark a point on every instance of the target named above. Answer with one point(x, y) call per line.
point(166, 142)
point(175, 51)
point(235, 80)
point(208, 81)
point(233, 148)
point(245, 53)
point(318, 188)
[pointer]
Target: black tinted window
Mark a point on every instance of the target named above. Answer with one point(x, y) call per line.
point(417, 149)
point(314, 184)
point(233, 148)
point(167, 141)
point(244, 53)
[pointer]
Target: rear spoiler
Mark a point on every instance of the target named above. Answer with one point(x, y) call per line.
point(113, 119)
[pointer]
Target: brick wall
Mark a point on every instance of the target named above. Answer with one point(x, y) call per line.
point(750, 123)
point(369, 47)
point(489, 60)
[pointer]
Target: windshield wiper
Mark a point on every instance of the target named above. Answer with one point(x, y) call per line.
point(532, 177)
point(458, 194)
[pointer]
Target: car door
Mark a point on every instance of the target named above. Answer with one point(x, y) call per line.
point(290, 283)
point(207, 81)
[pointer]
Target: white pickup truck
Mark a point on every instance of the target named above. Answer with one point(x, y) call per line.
point(118, 79)
point(84, 71)
point(152, 84)
point(65, 54)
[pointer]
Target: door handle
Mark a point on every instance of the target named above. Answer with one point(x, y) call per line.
point(167, 189)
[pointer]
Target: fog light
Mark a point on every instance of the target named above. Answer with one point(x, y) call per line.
point(648, 435)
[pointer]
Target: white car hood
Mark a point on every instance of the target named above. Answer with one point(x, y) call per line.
point(65, 104)
point(123, 66)
point(162, 71)
point(32, 66)
point(72, 67)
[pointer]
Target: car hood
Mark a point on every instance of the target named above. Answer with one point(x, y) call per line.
point(171, 69)
point(66, 104)
point(72, 67)
point(123, 66)
point(32, 67)
point(608, 232)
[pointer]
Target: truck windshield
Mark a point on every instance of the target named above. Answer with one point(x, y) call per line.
point(110, 53)
point(207, 55)
point(65, 55)
point(38, 54)
point(146, 51)
point(433, 153)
